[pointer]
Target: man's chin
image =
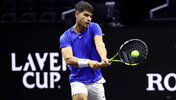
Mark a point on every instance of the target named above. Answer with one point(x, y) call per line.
point(86, 26)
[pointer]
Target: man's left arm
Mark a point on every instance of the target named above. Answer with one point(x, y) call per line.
point(100, 46)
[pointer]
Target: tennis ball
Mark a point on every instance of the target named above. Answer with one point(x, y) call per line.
point(135, 53)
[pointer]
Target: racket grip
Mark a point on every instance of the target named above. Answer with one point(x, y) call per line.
point(110, 60)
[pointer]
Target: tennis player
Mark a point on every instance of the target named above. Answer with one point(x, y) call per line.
point(84, 51)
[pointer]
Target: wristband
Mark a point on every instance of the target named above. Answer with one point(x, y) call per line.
point(83, 63)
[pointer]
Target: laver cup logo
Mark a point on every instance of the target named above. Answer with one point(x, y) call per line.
point(41, 70)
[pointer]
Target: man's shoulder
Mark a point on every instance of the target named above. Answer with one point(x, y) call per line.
point(67, 32)
point(93, 23)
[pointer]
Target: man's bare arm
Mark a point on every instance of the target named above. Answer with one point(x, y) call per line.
point(68, 56)
point(100, 46)
point(73, 61)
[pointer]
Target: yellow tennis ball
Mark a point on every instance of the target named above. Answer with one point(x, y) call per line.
point(135, 53)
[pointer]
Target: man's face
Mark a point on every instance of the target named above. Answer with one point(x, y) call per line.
point(84, 18)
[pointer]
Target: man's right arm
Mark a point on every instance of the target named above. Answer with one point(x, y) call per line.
point(68, 56)
point(73, 61)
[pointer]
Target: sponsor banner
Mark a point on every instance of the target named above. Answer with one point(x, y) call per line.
point(167, 82)
point(34, 70)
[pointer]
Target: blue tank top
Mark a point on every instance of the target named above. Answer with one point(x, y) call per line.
point(83, 46)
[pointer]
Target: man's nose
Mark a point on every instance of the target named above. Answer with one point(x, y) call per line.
point(89, 18)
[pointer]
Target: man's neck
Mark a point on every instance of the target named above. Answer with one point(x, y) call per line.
point(78, 29)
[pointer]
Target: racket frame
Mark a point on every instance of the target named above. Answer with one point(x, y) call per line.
point(121, 60)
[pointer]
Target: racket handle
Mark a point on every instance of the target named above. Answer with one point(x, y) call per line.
point(109, 60)
point(115, 60)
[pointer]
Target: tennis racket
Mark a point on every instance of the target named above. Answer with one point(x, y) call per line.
point(125, 52)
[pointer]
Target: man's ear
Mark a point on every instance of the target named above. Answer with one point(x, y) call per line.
point(76, 14)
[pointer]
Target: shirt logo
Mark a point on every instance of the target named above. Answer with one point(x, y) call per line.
point(81, 36)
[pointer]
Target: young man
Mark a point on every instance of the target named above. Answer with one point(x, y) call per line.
point(81, 46)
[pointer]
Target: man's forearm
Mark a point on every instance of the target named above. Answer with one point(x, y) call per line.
point(102, 50)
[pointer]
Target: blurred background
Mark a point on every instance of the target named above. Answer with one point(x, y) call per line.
point(126, 12)
point(32, 66)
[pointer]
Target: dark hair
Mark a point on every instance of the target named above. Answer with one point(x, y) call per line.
point(82, 5)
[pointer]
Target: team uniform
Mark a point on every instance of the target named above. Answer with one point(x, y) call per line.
point(84, 80)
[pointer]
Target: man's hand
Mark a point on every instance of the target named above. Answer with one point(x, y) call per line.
point(105, 63)
point(94, 64)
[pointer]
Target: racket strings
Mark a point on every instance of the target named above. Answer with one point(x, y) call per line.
point(127, 48)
